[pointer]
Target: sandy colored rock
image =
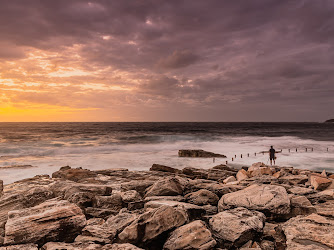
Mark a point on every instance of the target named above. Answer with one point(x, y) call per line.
point(71, 246)
point(52, 220)
point(301, 191)
point(258, 169)
point(326, 208)
point(202, 197)
point(165, 187)
point(194, 235)
point(319, 183)
point(322, 196)
point(151, 224)
point(20, 247)
point(294, 179)
point(300, 205)
point(269, 199)
point(242, 175)
point(236, 226)
point(1, 188)
point(309, 232)
point(230, 179)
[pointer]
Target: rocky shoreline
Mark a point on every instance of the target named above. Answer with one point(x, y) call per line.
point(259, 207)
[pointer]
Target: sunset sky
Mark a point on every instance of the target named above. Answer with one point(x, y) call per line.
point(166, 60)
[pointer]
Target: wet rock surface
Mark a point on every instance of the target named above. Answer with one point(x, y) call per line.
point(259, 207)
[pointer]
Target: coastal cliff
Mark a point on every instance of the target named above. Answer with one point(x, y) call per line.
point(259, 207)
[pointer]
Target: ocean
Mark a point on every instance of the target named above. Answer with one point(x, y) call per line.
point(136, 146)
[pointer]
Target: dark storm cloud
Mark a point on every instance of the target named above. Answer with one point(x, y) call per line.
point(206, 52)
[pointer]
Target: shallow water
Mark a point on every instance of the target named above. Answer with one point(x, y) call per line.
point(136, 146)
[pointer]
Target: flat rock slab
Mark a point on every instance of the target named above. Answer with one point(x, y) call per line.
point(269, 199)
point(53, 220)
point(309, 232)
point(236, 226)
point(301, 190)
point(325, 209)
point(71, 246)
point(194, 235)
point(20, 247)
point(198, 153)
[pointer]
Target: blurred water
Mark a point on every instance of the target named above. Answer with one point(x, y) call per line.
point(136, 146)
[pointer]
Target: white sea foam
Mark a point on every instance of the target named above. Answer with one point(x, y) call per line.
point(140, 156)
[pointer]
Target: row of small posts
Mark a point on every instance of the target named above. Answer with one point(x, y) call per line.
point(235, 156)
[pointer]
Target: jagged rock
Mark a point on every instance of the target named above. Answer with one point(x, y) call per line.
point(113, 171)
point(82, 199)
point(120, 221)
point(165, 187)
point(229, 179)
point(322, 196)
point(24, 199)
point(72, 246)
point(162, 168)
point(20, 247)
point(198, 153)
point(272, 200)
point(319, 183)
point(300, 205)
point(153, 223)
point(326, 208)
point(193, 211)
point(97, 233)
point(125, 246)
point(301, 191)
point(242, 175)
point(309, 232)
point(225, 167)
point(74, 174)
point(52, 220)
point(218, 188)
point(194, 235)
point(236, 226)
point(113, 202)
point(202, 197)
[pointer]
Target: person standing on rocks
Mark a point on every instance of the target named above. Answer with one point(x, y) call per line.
point(272, 155)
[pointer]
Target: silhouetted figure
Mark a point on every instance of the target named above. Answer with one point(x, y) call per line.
point(272, 156)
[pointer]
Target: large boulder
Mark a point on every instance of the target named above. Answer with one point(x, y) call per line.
point(23, 199)
point(120, 221)
point(165, 187)
point(148, 226)
point(194, 235)
point(198, 153)
point(272, 200)
point(202, 197)
point(53, 220)
point(300, 205)
point(309, 232)
point(321, 197)
point(258, 169)
point(236, 226)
